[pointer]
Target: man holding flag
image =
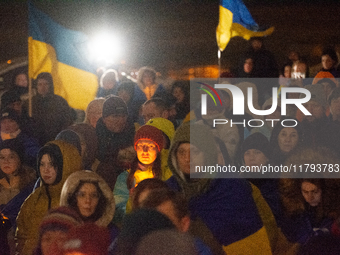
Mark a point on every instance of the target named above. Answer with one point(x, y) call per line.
point(63, 53)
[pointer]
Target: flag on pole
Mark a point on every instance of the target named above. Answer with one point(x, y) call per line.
point(63, 53)
point(236, 20)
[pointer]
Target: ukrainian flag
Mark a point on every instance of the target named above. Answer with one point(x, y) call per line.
point(63, 53)
point(236, 20)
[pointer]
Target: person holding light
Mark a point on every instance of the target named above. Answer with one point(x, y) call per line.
point(148, 143)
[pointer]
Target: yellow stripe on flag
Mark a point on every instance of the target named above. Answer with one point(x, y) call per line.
point(78, 87)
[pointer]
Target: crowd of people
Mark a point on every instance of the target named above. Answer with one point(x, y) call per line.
point(118, 181)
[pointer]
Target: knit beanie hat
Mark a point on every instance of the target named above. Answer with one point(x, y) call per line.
point(317, 94)
point(114, 106)
point(256, 141)
point(9, 97)
point(323, 74)
point(150, 133)
point(13, 145)
point(88, 239)
point(9, 113)
point(62, 218)
point(70, 137)
point(164, 125)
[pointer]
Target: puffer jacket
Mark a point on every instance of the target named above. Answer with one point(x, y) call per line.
point(72, 184)
point(43, 199)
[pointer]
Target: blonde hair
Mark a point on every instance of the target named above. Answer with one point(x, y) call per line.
point(94, 105)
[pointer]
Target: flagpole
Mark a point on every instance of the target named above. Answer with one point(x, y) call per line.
point(219, 64)
point(30, 71)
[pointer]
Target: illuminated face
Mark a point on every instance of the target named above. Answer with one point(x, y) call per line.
point(52, 242)
point(115, 124)
point(248, 65)
point(43, 87)
point(93, 116)
point(178, 94)
point(188, 156)
point(311, 193)
point(9, 126)
point(327, 62)
point(288, 139)
point(9, 161)
point(48, 172)
point(21, 80)
point(288, 72)
point(146, 151)
point(315, 109)
point(151, 111)
point(254, 157)
point(87, 199)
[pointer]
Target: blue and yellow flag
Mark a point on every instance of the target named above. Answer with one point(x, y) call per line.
point(236, 20)
point(63, 53)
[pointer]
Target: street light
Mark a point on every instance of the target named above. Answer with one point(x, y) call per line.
point(105, 49)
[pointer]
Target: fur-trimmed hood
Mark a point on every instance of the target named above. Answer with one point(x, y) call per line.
point(73, 182)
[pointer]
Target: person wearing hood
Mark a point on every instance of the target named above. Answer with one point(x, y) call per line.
point(149, 146)
point(329, 61)
point(88, 194)
point(255, 151)
point(11, 130)
point(134, 98)
point(223, 212)
point(181, 91)
point(51, 112)
point(14, 175)
point(108, 83)
point(56, 161)
point(89, 145)
point(53, 230)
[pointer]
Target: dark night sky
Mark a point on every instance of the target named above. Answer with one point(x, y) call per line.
point(175, 34)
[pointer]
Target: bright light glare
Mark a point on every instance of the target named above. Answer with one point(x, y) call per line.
point(106, 48)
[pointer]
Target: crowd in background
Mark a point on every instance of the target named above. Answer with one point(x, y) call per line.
point(118, 180)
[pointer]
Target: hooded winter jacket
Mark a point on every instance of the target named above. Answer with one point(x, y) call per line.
point(121, 191)
point(44, 198)
point(222, 209)
point(84, 176)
